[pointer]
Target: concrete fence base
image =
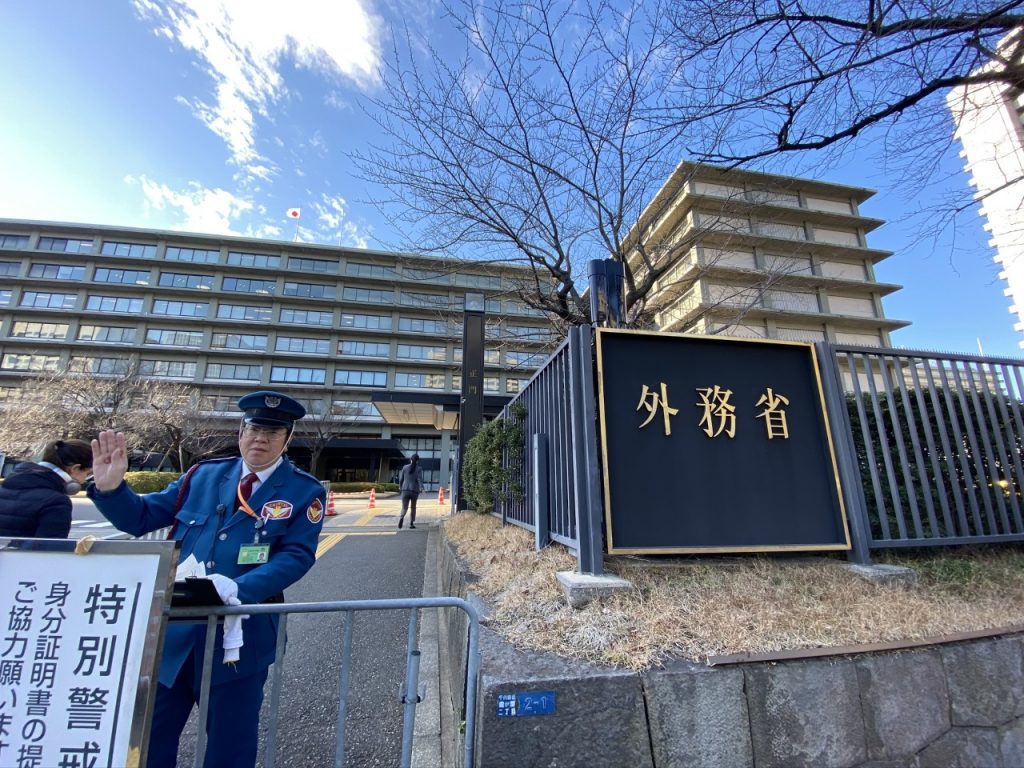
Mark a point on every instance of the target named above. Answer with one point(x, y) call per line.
point(960, 704)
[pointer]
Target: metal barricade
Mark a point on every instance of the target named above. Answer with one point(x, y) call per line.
point(409, 697)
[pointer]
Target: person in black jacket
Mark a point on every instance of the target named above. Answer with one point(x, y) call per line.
point(34, 499)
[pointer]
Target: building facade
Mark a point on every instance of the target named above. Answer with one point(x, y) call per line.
point(369, 341)
point(764, 256)
point(990, 128)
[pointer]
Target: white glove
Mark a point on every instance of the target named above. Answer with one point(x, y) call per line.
point(228, 591)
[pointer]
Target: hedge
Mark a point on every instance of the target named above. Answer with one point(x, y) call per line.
point(356, 487)
point(148, 482)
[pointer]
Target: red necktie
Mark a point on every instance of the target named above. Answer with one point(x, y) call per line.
point(247, 483)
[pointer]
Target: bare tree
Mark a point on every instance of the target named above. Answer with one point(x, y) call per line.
point(156, 416)
point(322, 425)
point(177, 427)
point(758, 80)
point(532, 147)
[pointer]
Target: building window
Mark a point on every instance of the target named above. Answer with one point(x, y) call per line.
point(239, 259)
point(477, 281)
point(245, 285)
point(519, 358)
point(364, 349)
point(514, 386)
point(9, 268)
point(429, 300)
point(243, 312)
point(370, 322)
point(5, 297)
point(243, 341)
point(312, 265)
point(123, 276)
point(284, 375)
point(368, 295)
point(359, 410)
point(231, 372)
point(420, 380)
point(300, 345)
point(419, 325)
point(309, 290)
point(102, 366)
point(378, 271)
point(778, 229)
point(167, 369)
point(166, 337)
point(181, 308)
point(181, 280)
point(426, 276)
point(50, 300)
point(65, 245)
point(134, 250)
point(56, 272)
point(491, 356)
point(218, 404)
point(307, 317)
point(524, 332)
point(193, 255)
point(23, 330)
point(14, 242)
point(34, 363)
point(355, 378)
point(421, 352)
point(108, 334)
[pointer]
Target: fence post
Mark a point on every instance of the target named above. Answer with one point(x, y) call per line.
point(846, 454)
point(541, 529)
point(586, 479)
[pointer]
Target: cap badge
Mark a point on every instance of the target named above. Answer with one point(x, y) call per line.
point(271, 402)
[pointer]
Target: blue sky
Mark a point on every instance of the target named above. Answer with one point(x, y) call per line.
point(136, 113)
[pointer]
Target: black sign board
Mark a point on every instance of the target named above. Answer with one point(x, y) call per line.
point(715, 444)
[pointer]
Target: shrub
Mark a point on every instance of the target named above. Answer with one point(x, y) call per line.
point(493, 462)
point(355, 487)
point(148, 482)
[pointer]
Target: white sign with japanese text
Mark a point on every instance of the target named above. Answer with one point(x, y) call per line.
point(73, 629)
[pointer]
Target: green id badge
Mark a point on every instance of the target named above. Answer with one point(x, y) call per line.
point(253, 554)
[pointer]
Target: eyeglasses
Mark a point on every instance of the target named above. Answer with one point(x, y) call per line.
point(270, 433)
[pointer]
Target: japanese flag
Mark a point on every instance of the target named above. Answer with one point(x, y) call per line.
point(294, 213)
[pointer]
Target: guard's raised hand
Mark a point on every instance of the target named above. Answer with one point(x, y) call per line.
point(109, 460)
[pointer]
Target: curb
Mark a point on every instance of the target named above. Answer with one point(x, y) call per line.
point(426, 740)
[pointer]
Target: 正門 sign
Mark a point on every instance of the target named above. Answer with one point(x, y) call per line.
point(714, 444)
point(78, 647)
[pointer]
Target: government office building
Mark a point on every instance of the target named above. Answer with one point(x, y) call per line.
point(369, 339)
point(372, 340)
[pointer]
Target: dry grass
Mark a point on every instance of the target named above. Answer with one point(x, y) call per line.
point(702, 609)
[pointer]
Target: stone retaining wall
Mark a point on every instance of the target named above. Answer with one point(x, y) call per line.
point(959, 704)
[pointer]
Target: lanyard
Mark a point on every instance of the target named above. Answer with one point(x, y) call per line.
point(243, 503)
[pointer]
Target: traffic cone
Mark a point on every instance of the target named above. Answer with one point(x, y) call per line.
point(373, 498)
point(440, 495)
point(331, 511)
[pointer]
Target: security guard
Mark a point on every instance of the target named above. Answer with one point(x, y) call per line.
point(254, 522)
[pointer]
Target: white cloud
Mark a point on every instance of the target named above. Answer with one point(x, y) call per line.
point(334, 226)
point(197, 209)
point(242, 44)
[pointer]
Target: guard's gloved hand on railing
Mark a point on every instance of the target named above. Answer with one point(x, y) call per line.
point(228, 591)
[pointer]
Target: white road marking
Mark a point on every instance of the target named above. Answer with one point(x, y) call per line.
point(104, 524)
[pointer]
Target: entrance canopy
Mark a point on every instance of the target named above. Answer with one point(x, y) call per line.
point(440, 411)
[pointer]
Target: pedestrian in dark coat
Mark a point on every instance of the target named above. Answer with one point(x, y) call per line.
point(34, 501)
point(410, 486)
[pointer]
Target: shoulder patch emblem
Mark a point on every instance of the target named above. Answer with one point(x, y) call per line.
point(315, 512)
point(276, 510)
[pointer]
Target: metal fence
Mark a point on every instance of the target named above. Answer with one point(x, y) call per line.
point(928, 447)
point(935, 440)
point(558, 466)
point(409, 697)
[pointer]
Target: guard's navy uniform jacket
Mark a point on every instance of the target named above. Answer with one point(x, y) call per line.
point(212, 525)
